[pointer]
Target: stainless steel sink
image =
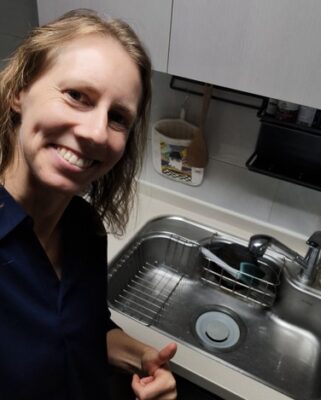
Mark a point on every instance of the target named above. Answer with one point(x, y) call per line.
point(268, 329)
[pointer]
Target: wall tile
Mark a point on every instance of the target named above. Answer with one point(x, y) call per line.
point(224, 185)
point(297, 208)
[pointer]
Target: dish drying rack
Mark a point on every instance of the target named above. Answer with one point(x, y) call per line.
point(147, 293)
point(151, 287)
point(259, 290)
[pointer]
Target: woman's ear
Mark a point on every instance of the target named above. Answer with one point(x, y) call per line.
point(16, 103)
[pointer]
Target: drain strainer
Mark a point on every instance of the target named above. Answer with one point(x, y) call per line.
point(217, 330)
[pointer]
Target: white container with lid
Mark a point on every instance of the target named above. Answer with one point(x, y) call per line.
point(170, 139)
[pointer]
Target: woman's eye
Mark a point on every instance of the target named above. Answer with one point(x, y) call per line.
point(77, 96)
point(118, 121)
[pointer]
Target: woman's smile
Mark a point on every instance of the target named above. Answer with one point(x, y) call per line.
point(73, 158)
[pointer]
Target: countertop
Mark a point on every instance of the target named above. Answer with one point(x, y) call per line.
point(210, 373)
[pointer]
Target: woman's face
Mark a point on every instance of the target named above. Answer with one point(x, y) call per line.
point(75, 118)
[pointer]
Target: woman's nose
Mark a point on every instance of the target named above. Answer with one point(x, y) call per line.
point(93, 126)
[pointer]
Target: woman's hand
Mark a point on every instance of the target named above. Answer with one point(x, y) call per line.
point(159, 384)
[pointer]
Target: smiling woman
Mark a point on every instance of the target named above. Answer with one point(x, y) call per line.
point(74, 104)
point(72, 132)
point(111, 193)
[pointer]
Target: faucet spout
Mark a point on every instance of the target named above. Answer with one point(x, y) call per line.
point(258, 245)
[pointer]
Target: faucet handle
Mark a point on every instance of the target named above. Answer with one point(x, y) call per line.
point(315, 239)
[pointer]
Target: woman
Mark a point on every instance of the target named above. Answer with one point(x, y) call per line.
point(74, 102)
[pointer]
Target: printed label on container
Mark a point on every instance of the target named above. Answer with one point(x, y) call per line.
point(173, 161)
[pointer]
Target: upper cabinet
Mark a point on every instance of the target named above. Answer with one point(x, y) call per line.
point(271, 48)
point(150, 19)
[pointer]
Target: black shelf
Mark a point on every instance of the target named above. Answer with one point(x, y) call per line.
point(291, 125)
point(288, 152)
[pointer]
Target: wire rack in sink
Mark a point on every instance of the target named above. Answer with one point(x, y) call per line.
point(146, 295)
point(147, 275)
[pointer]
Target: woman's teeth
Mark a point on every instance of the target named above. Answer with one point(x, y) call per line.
point(73, 159)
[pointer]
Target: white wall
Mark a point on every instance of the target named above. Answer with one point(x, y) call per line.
point(231, 132)
point(16, 19)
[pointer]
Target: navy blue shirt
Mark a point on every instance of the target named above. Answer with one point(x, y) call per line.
point(53, 332)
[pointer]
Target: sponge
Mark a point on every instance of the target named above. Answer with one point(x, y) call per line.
point(250, 272)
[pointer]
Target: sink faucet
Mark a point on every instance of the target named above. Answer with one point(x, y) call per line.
point(258, 244)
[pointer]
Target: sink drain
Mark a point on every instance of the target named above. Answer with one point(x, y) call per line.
point(217, 330)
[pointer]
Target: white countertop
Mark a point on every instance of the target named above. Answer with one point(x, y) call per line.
point(208, 372)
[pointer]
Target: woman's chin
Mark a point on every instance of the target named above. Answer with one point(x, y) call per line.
point(63, 187)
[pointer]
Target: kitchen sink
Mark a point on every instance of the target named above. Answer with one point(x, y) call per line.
point(265, 326)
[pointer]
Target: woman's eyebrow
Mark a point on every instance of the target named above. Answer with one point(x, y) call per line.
point(80, 83)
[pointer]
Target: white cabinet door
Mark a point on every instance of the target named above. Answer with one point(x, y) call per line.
point(269, 47)
point(149, 18)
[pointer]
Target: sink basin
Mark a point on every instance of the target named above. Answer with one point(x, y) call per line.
point(265, 329)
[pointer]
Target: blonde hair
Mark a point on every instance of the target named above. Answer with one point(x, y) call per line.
point(112, 195)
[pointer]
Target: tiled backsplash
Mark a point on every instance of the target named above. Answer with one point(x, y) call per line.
point(231, 134)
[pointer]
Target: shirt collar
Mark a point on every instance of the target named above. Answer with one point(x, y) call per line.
point(11, 213)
